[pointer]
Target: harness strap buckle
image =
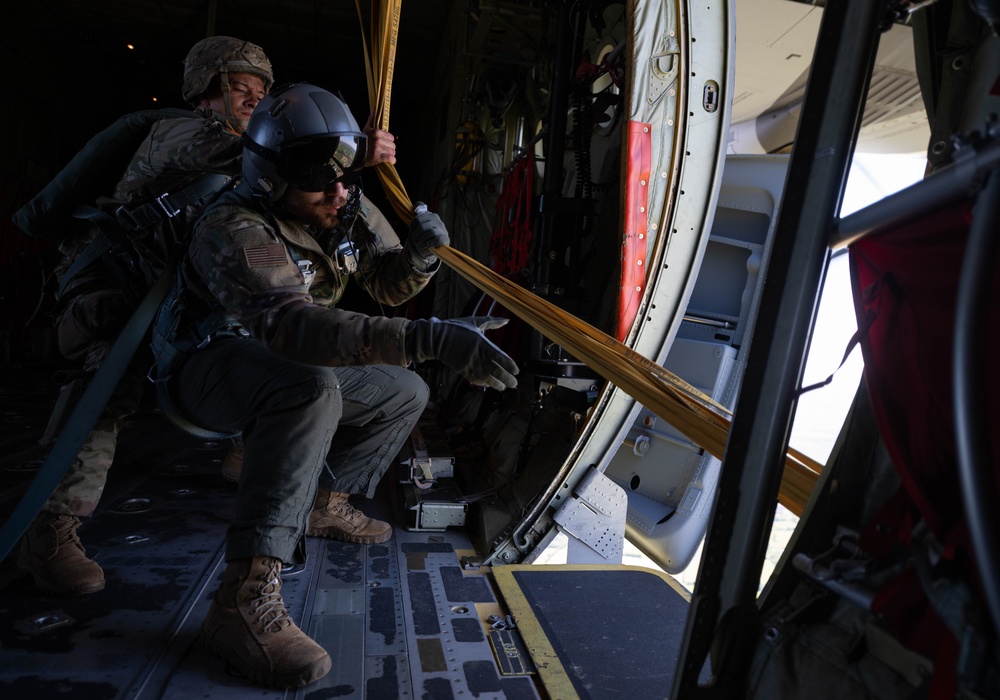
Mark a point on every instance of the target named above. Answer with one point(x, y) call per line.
point(168, 207)
point(227, 330)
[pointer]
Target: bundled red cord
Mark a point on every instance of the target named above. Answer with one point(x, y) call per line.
point(510, 244)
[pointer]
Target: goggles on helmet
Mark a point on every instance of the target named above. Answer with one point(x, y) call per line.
point(312, 164)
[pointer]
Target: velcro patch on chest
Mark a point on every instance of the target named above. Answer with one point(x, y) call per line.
point(265, 255)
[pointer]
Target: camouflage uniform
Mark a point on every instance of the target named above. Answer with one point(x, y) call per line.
point(300, 369)
point(96, 305)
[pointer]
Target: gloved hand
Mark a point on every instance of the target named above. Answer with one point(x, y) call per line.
point(426, 231)
point(460, 344)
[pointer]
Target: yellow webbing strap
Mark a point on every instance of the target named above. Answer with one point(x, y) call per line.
point(697, 415)
point(379, 68)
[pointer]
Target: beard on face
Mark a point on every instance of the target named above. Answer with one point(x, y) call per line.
point(318, 209)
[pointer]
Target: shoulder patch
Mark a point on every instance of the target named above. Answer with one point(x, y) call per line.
point(265, 255)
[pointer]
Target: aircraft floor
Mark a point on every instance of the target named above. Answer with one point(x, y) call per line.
point(411, 618)
point(159, 535)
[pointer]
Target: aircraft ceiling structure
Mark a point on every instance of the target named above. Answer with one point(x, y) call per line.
point(83, 48)
point(110, 58)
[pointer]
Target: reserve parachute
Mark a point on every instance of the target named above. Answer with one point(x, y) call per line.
point(53, 214)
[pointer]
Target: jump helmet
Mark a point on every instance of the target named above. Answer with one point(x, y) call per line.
point(304, 136)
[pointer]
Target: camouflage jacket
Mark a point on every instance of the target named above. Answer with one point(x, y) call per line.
point(176, 152)
point(251, 264)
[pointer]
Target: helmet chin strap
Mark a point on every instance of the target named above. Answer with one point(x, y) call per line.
point(235, 125)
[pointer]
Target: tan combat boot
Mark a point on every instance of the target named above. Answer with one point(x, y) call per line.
point(332, 516)
point(250, 628)
point(51, 552)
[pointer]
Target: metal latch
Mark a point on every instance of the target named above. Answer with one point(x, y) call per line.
point(710, 96)
point(347, 257)
point(168, 208)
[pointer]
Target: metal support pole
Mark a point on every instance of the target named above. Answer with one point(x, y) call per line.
point(555, 150)
point(946, 186)
point(723, 613)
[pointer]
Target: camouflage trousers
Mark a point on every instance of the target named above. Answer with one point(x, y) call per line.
point(85, 330)
point(295, 419)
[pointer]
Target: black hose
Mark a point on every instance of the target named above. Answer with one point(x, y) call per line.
point(970, 362)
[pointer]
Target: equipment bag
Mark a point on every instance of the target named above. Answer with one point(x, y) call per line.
point(908, 278)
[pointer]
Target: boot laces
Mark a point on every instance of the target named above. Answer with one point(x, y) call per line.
point(63, 529)
point(268, 607)
point(344, 509)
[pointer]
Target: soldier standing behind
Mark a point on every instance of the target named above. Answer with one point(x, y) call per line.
point(190, 157)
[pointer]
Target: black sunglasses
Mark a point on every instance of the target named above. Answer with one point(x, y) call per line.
point(316, 163)
point(321, 182)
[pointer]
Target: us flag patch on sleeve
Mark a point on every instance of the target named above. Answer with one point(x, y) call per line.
point(265, 255)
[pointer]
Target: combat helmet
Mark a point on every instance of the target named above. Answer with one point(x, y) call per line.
point(304, 136)
point(222, 55)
